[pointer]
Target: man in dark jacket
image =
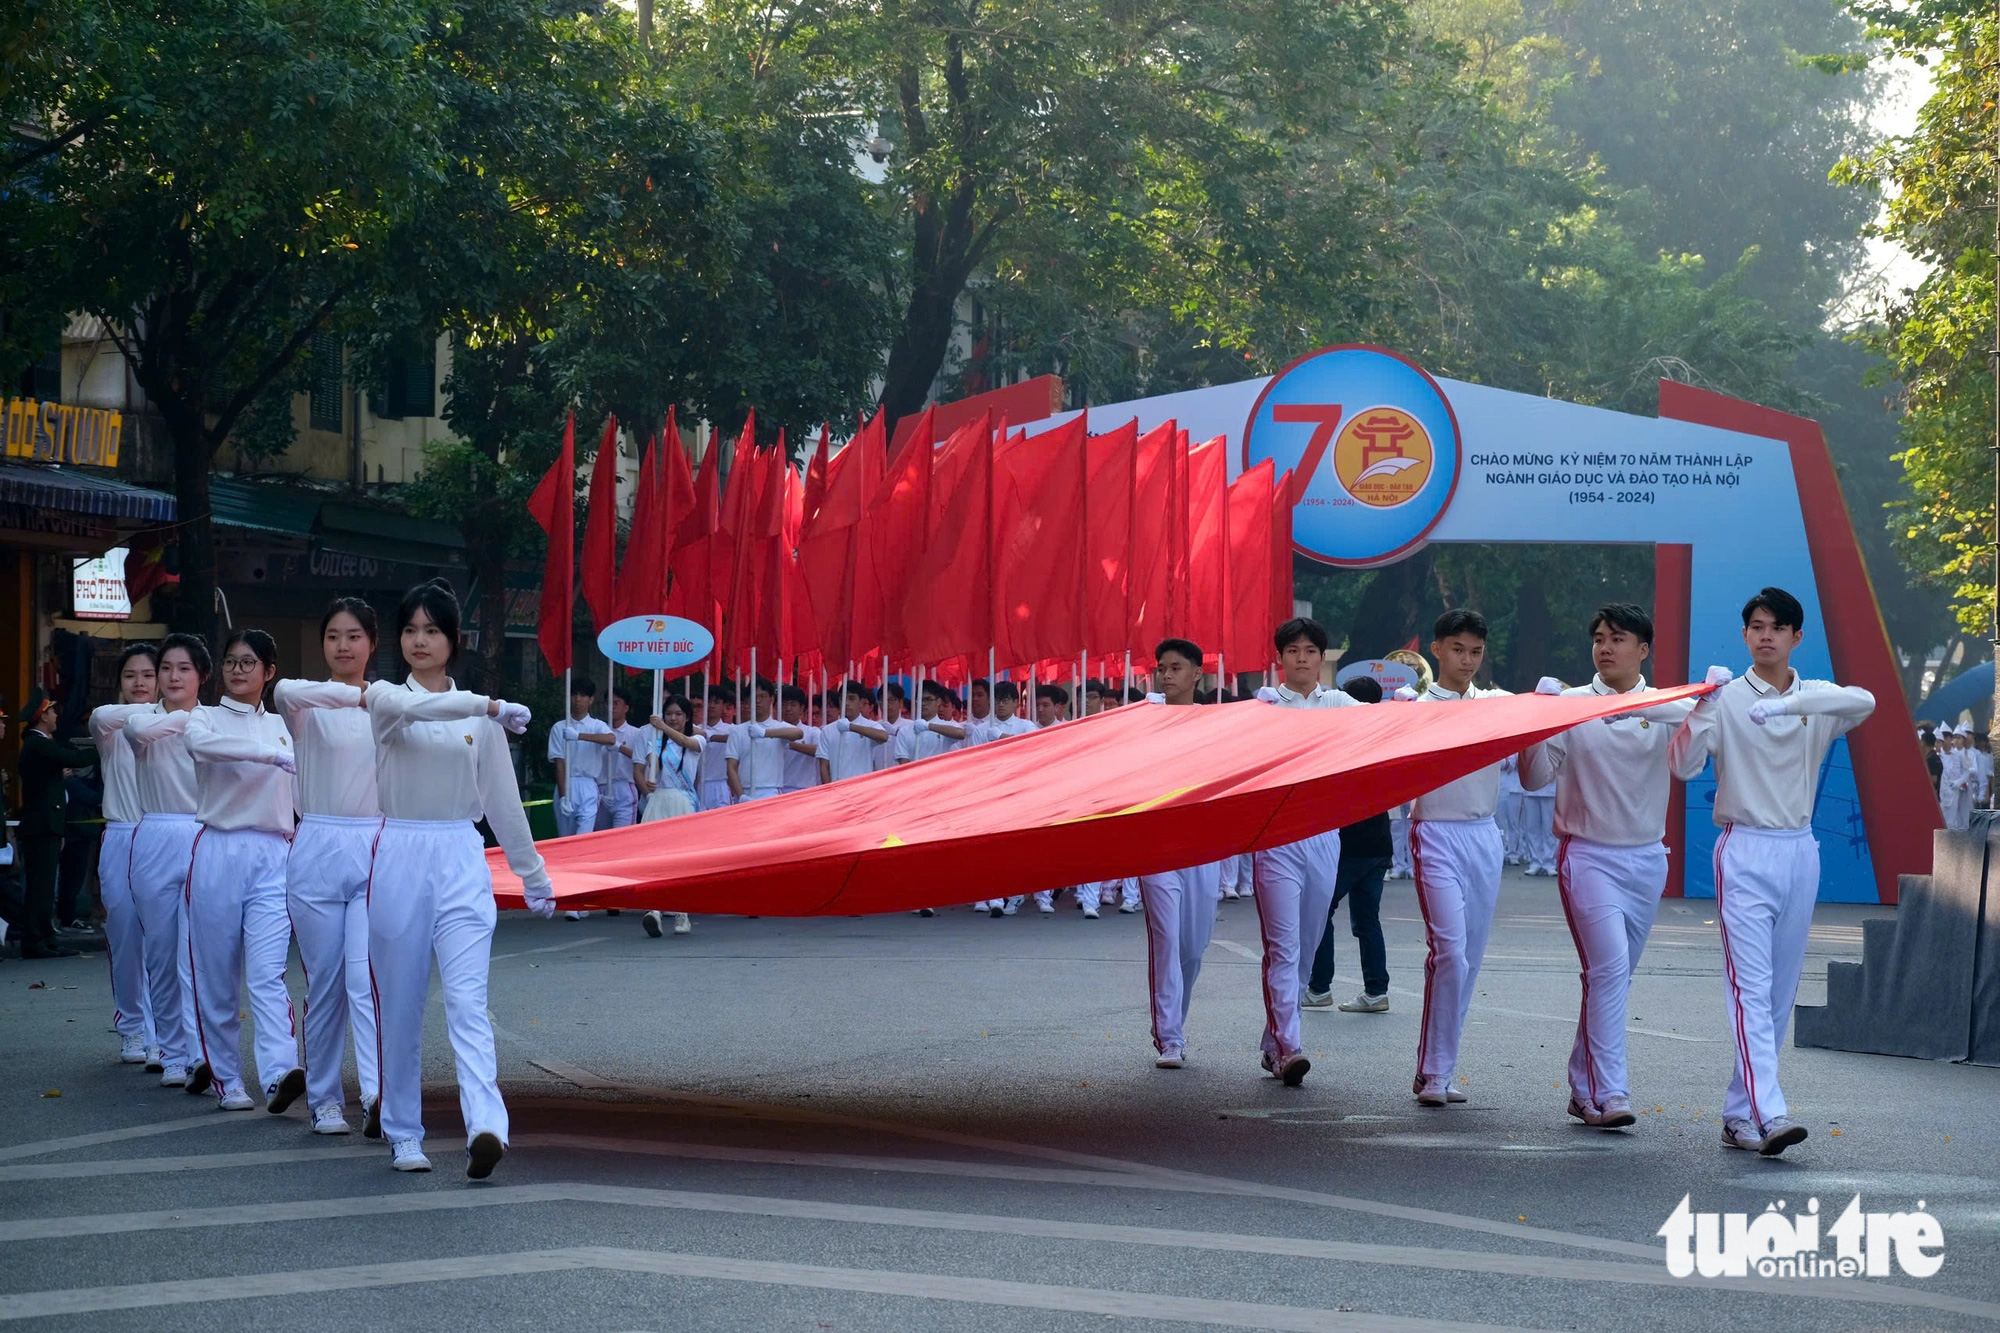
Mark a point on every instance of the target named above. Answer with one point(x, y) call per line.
point(43, 822)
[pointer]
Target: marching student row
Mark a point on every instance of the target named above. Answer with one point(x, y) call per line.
point(207, 875)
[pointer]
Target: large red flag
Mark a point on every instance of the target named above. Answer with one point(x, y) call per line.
point(898, 518)
point(1108, 528)
point(1208, 544)
point(834, 552)
point(1152, 542)
point(642, 574)
point(1131, 791)
point(1039, 501)
point(600, 531)
point(1282, 500)
point(949, 609)
point(738, 587)
point(693, 584)
point(1247, 643)
point(553, 505)
point(816, 473)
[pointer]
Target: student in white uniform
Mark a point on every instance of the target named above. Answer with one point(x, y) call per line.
point(1955, 786)
point(757, 748)
point(928, 733)
point(896, 721)
point(627, 752)
point(1399, 817)
point(1457, 856)
point(1982, 770)
point(672, 760)
point(124, 942)
point(1009, 721)
point(1509, 813)
point(848, 745)
point(1769, 732)
point(1180, 904)
point(1539, 846)
point(580, 747)
point(239, 931)
point(1293, 884)
point(712, 777)
point(1609, 783)
point(804, 762)
point(161, 847)
point(441, 764)
point(332, 858)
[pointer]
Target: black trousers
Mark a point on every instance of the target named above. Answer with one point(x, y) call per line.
point(41, 861)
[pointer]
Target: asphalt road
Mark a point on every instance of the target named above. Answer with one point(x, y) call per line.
point(955, 1123)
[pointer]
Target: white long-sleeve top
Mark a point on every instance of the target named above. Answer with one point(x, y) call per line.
point(117, 761)
point(760, 760)
point(920, 742)
point(629, 746)
point(1282, 695)
point(886, 755)
point(847, 752)
point(1766, 776)
point(1952, 772)
point(586, 759)
point(335, 747)
point(715, 753)
point(238, 786)
point(1611, 778)
point(438, 757)
point(1477, 794)
point(167, 784)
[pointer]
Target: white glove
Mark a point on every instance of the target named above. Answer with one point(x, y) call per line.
point(754, 730)
point(1765, 709)
point(285, 761)
point(512, 716)
point(1548, 685)
point(1404, 693)
point(837, 727)
point(541, 898)
point(563, 806)
point(1718, 675)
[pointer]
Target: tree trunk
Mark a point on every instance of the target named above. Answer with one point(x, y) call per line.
point(194, 608)
point(489, 567)
point(918, 352)
point(1389, 611)
point(1529, 657)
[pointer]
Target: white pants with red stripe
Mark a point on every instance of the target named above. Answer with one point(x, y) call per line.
point(582, 816)
point(1180, 918)
point(239, 938)
point(326, 888)
point(432, 894)
point(1457, 863)
point(124, 941)
point(1766, 881)
point(1293, 888)
point(1538, 831)
point(623, 801)
point(1610, 895)
point(161, 848)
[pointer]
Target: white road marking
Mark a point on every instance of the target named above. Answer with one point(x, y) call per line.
point(210, 1117)
point(547, 948)
point(1300, 1247)
point(929, 1286)
point(146, 1166)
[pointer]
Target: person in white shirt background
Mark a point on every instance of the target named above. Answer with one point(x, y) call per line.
point(239, 931)
point(1008, 721)
point(441, 764)
point(671, 760)
point(1508, 814)
point(1955, 786)
point(627, 752)
point(1982, 768)
point(580, 746)
point(161, 847)
point(1456, 852)
point(804, 762)
point(1609, 784)
point(896, 721)
point(848, 745)
point(1399, 818)
point(1768, 732)
point(921, 739)
point(712, 777)
point(1539, 845)
point(332, 858)
point(1180, 904)
point(1293, 884)
point(124, 941)
point(756, 748)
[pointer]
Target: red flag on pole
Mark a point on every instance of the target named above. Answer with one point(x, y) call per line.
point(1208, 545)
point(1107, 541)
point(553, 505)
point(1248, 640)
point(642, 574)
point(1282, 500)
point(1039, 512)
point(1152, 543)
point(949, 608)
point(600, 532)
point(693, 594)
point(898, 515)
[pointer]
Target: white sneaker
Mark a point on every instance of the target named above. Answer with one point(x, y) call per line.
point(1431, 1091)
point(567, 916)
point(1046, 909)
point(238, 1100)
point(1128, 909)
point(330, 1119)
point(682, 925)
point(1615, 1112)
point(371, 1119)
point(1453, 1095)
point(1741, 1134)
point(482, 1153)
point(1171, 1058)
point(981, 905)
point(1090, 914)
point(278, 1098)
point(1779, 1134)
point(1009, 907)
point(132, 1050)
point(1365, 1003)
point(174, 1076)
point(1317, 999)
point(410, 1156)
point(653, 922)
point(154, 1063)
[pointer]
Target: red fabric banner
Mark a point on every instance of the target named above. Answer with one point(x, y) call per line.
point(1108, 536)
point(1152, 543)
point(1247, 645)
point(553, 505)
point(1131, 791)
point(1208, 545)
point(949, 606)
point(642, 574)
point(1039, 489)
point(693, 585)
point(1282, 500)
point(600, 532)
point(899, 515)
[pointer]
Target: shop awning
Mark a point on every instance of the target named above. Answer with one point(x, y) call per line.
point(382, 534)
point(76, 491)
point(262, 508)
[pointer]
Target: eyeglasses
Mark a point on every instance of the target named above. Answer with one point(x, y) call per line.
point(241, 663)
